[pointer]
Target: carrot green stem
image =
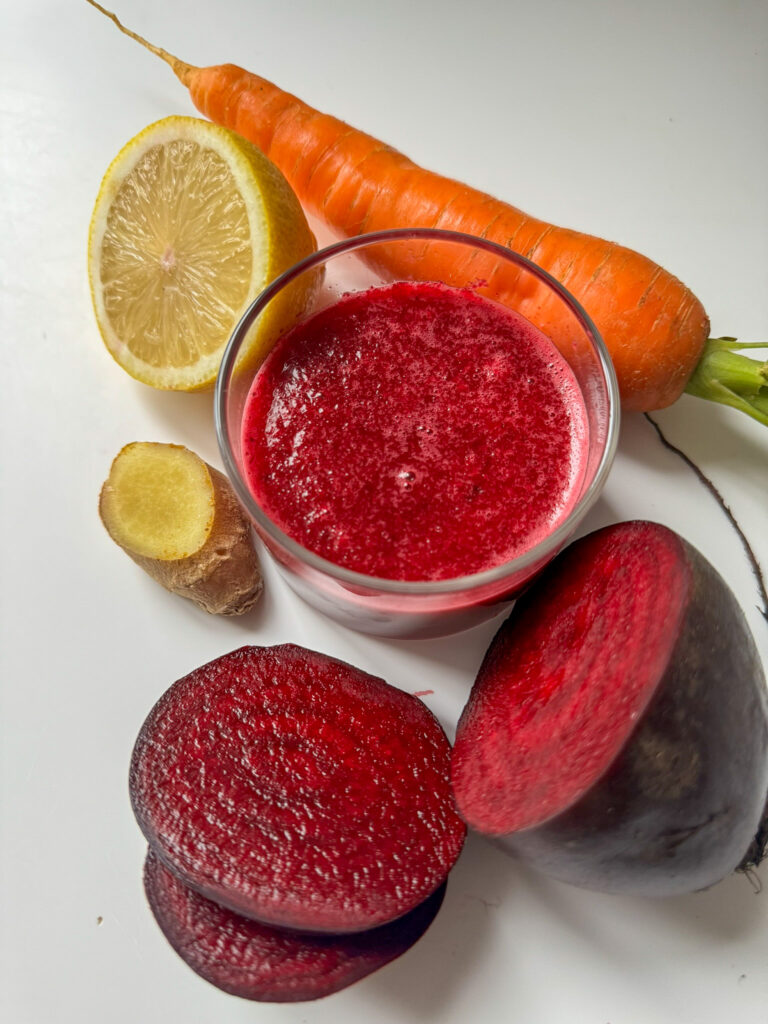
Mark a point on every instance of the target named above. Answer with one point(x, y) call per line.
point(724, 376)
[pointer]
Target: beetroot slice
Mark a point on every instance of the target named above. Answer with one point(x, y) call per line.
point(256, 961)
point(617, 732)
point(567, 677)
point(297, 790)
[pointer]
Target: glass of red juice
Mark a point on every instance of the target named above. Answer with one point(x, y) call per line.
point(435, 417)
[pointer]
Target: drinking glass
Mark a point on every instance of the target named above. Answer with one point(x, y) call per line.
point(427, 608)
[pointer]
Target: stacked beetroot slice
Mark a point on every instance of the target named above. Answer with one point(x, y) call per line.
point(300, 821)
point(256, 961)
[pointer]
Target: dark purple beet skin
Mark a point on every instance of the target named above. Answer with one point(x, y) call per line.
point(256, 961)
point(629, 672)
point(297, 790)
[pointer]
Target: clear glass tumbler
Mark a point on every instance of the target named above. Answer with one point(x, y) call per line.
point(397, 608)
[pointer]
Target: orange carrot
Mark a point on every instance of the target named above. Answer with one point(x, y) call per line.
point(654, 327)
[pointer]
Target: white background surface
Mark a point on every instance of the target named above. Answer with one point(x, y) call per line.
point(640, 121)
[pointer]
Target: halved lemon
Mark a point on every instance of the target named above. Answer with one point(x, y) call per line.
point(190, 224)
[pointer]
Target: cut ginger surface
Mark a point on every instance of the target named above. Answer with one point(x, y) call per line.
point(159, 501)
point(178, 518)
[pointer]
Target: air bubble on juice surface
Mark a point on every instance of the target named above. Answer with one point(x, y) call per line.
point(405, 477)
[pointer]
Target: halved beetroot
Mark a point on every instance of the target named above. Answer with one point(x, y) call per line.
point(297, 790)
point(257, 961)
point(617, 732)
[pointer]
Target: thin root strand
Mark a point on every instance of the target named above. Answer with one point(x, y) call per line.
point(180, 68)
point(704, 479)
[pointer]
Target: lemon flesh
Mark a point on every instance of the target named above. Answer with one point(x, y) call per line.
point(190, 224)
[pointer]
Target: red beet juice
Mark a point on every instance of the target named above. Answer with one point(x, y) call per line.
point(415, 432)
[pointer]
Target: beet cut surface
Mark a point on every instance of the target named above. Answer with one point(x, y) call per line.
point(256, 961)
point(617, 731)
point(566, 679)
point(297, 790)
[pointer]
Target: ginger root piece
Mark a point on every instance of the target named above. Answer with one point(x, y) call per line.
point(178, 518)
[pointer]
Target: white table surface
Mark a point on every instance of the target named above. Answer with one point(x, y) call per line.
point(640, 121)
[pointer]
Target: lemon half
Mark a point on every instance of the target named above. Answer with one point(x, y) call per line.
point(191, 222)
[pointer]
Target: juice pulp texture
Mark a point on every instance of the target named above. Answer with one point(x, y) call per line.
point(415, 432)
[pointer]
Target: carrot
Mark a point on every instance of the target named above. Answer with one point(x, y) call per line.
point(655, 328)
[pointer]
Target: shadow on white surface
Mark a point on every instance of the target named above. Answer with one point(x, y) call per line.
point(602, 513)
point(423, 985)
point(704, 433)
point(181, 419)
point(732, 909)
point(458, 651)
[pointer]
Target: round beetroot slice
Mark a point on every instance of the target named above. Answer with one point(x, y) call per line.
point(568, 675)
point(297, 790)
point(256, 961)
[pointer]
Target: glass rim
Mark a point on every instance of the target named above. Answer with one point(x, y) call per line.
point(361, 581)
